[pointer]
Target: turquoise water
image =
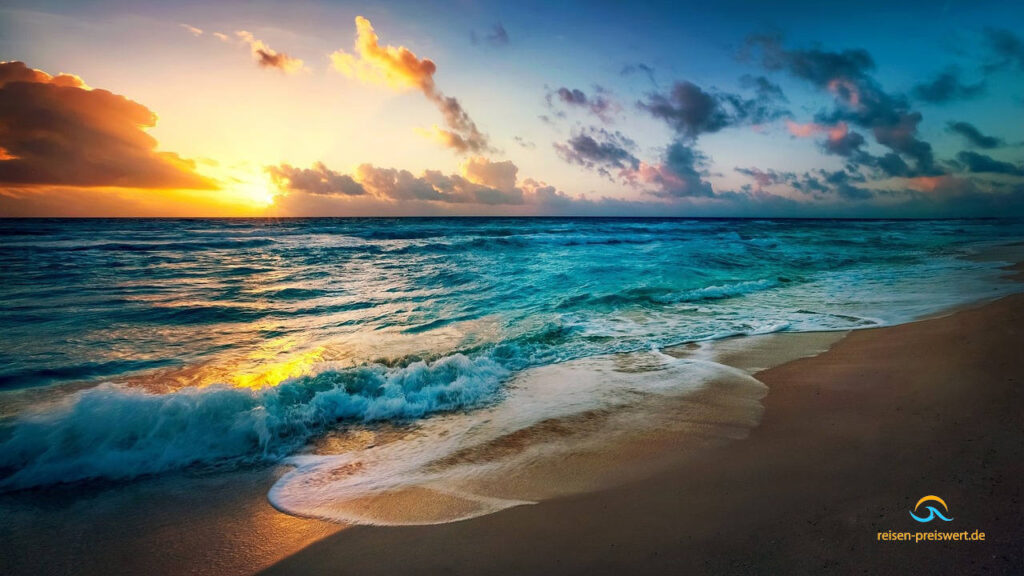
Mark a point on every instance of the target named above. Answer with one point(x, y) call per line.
point(135, 347)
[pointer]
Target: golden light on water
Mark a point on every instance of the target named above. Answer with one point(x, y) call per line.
point(273, 363)
point(270, 365)
point(271, 374)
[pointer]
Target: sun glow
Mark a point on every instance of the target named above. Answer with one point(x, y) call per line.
point(243, 185)
point(256, 190)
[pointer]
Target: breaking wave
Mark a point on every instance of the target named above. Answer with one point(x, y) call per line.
point(114, 432)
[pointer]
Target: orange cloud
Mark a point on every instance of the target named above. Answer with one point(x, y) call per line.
point(497, 175)
point(55, 130)
point(396, 67)
point(267, 57)
point(846, 91)
point(929, 183)
point(399, 68)
point(834, 131)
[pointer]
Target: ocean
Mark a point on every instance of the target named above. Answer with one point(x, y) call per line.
point(137, 347)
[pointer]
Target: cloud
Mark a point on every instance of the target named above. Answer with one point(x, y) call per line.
point(1006, 47)
point(463, 135)
point(316, 180)
point(481, 187)
point(818, 185)
point(497, 175)
point(947, 87)
point(398, 68)
point(599, 104)
point(974, 136)
point(690, 111)
point(599, 150)
point(839, 140)
point(266, 57)
point(765, 89)
point(639, 68)
point(480, 181)
point(976, 162)
point(859, 99)
point(496, 36)
point(679, 175)
point(523, 142)
point(55, 130)
point(192, 29)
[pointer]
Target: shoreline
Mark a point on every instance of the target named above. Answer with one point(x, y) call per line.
point(851, 438)
point(224, 524)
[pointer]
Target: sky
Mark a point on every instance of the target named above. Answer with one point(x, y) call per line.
point(316, 108)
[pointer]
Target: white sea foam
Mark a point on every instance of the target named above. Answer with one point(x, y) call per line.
point(116, 432)
point(464, 459)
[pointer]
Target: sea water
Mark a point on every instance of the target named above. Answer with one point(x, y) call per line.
point(134, 347)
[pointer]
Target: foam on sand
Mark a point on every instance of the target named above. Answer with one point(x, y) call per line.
point(561, 429)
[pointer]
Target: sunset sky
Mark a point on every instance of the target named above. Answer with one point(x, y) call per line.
point(317, 108)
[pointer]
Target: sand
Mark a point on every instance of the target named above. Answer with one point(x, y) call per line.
point(850, 440)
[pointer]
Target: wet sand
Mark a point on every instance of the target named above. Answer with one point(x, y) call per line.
point(850, 440)
point(215, 524)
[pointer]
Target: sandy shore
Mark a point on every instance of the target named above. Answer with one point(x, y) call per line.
point(850, 440)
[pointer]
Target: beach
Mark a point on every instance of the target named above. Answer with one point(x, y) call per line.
point(850, 440)
point(472, 288)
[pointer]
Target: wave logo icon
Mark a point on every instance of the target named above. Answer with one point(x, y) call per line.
point(933, 512)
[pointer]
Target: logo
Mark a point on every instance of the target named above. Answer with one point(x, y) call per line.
point(933, 512)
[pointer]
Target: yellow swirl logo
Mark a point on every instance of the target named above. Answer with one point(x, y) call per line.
point(933, 512)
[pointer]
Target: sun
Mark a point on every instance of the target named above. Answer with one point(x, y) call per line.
point(258, 192)
point(245, 186)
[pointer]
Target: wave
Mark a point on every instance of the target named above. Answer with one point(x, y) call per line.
point(115, 433)
point(153, 246)
point(83, 371)
point(660, 296)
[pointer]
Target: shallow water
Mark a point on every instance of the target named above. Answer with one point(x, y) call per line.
point(136, 347)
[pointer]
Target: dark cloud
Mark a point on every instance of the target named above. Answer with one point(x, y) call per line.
point(976, 162)
point(598, 103)
point(839, 139)
point(900, 136)
point(817, 66)
point(763, 87)
point(679, 175)
point(1007, 49)
point(55, 130)
point(496, 36)
point(765, 178)
point(947, 87)
point(974, 136)
point(859, 99)
point(847, 144)
point(599, 150)
point(316, 180)
point(892, 165)
point(821, 185)
point(690, 111)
